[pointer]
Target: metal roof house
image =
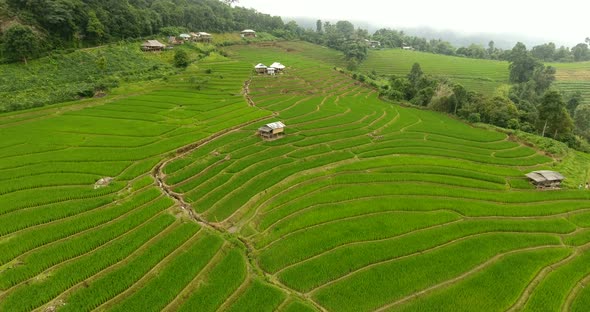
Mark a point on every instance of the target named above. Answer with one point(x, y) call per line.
point(277, 66)
point(152, 45)
point(185, 37)
point(272, 130)
point(260, 68)
point(545, 178)
point(201, 36)
point(248, 33)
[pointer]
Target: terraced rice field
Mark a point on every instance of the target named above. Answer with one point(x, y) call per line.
point(477, 75)
point(362, 206)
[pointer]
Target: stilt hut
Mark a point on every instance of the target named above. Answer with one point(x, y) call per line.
point(545, 178)
point(260, 68)
point(248, 33)
point(152, 45)
point(272, 130)
point(278, 67)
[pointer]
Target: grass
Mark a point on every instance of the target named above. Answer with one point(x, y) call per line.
point(494, 289)
point(474, 74)
point(361, 204)
point(398, 279)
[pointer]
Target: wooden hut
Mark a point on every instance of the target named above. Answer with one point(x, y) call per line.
point(152, 45)
point(272, 130)
point(204, 37)
point(248, 33)
point(260, 68)
point(545, 178)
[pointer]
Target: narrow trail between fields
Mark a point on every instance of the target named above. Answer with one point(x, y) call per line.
point(159, 176)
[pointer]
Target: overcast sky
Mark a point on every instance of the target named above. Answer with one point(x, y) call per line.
point(564, 21)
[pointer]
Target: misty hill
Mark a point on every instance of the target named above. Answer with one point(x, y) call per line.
point(501, 40)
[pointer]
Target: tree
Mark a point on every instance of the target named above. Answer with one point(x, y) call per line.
point(181, 58)
point(553, 116)
point(522, 64)
point(582, 120)
point(318, 26)
point(415, 74)
point(94, 29)
point(491, 48)
point(580, 52)
point(444, 99)
point(20, 43)
point(543, 78)
point(573, 101)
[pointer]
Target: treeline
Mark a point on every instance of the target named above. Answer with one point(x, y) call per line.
point(37, 26)
point(529, 103)
point(548, 52)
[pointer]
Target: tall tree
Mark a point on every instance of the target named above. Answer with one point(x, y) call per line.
point(574, 100)
point(522, 64)
point(582, 120)
point(318, 26)
point(415, 74)
point(20, 43)
point(553, 116)
point(94, 29)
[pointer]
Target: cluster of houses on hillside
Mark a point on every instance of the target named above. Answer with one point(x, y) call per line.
point(273, 69)
point(155, 45)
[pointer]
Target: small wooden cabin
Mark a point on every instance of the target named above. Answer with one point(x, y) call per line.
point(248, 33)
point(204, 37)
point(545, 178)
point(152, 45)
point(272, 130)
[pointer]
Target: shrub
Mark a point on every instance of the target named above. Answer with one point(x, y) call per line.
point(474, 118)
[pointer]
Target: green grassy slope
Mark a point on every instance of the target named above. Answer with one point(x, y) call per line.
point(95, 247)
point(362, 206)
point(365, 204)
point(477, 75)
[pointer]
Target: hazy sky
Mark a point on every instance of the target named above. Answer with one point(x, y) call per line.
point(566, 21)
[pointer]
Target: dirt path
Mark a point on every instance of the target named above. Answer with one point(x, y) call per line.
point(159, 176)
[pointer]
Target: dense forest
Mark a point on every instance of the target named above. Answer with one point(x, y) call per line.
point(32, 27)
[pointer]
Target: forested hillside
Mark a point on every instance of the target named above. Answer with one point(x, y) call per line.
point(58, 24)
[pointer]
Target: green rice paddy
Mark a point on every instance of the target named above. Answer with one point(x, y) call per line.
point(362, 206)
point(475, 74)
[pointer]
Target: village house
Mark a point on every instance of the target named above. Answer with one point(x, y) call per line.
point(152, 45)
point(248, 33)
point(260, 68)
point(373, 44)
point(174, 40)
point(278, 67)
point(272, 130)
point(409, 48)
point(545, 178)
point(185, 37)
point(204, 37)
